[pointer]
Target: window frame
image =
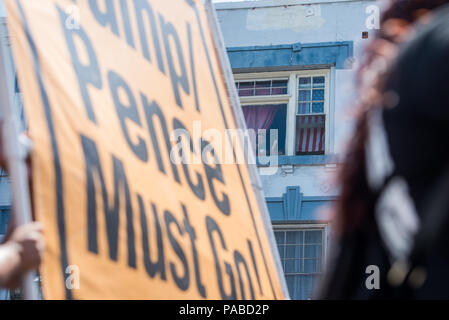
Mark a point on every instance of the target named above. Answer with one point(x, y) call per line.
point(308, 226)
point(291, 99)
point(264, 97)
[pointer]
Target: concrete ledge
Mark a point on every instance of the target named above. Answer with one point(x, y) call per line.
point(272, 3)
point(293, 206)
point(306, 160)
point(291, 55)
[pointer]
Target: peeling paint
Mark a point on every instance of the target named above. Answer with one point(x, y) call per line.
point(296, 18)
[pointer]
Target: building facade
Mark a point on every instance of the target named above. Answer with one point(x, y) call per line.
point(294, 63)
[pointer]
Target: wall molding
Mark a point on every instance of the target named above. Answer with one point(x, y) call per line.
point(304, 160)
point(296, 55)
point(273, 3)
point(294, 206)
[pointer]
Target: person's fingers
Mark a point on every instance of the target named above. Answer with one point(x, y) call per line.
point(34, 226)
point(41, 245)
point(13, 282)
point(37, 226)
point(34, 236)
point(31, 256)
point(30, 245)
point(28, 228)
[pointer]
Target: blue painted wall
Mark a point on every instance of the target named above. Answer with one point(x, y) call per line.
point(290, 55)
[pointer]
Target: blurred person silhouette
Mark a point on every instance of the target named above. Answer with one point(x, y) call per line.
point(22, 247)
point(392, 219)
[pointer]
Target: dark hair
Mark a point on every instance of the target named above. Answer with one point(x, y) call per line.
point(356, 200)
point(410, 10)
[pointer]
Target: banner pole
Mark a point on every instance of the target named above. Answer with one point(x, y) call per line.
point(15, 151)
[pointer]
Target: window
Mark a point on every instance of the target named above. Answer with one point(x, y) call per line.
point(296, 103)
point(265, 104)
point(311, 117)
point(267, 117)
point(302, 253)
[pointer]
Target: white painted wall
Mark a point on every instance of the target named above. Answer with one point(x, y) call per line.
point(313, 180)
point(278, 22)
point(317, 22)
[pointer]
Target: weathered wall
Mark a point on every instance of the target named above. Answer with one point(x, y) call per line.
point(268, 22)
point(282, 22)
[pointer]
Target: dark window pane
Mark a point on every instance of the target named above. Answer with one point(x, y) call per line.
point(293, 251)
point(312, 265)
point(293, 266)
point(304, 108)
point(318, 95)
point(301, 287)
point(263, 84)
point(4, 219)
point(246, 85)
point(293, 284)
point(312, 251)
point(294, 237)
point(314, 236)
point(277, 91)
point(318, 82)
point(246, 93)
point(304, 83)
point(304, 95)
point(318, 107)
point(262, 92)
point(280, 83)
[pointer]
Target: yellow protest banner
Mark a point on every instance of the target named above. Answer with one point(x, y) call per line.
point(132, 131)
